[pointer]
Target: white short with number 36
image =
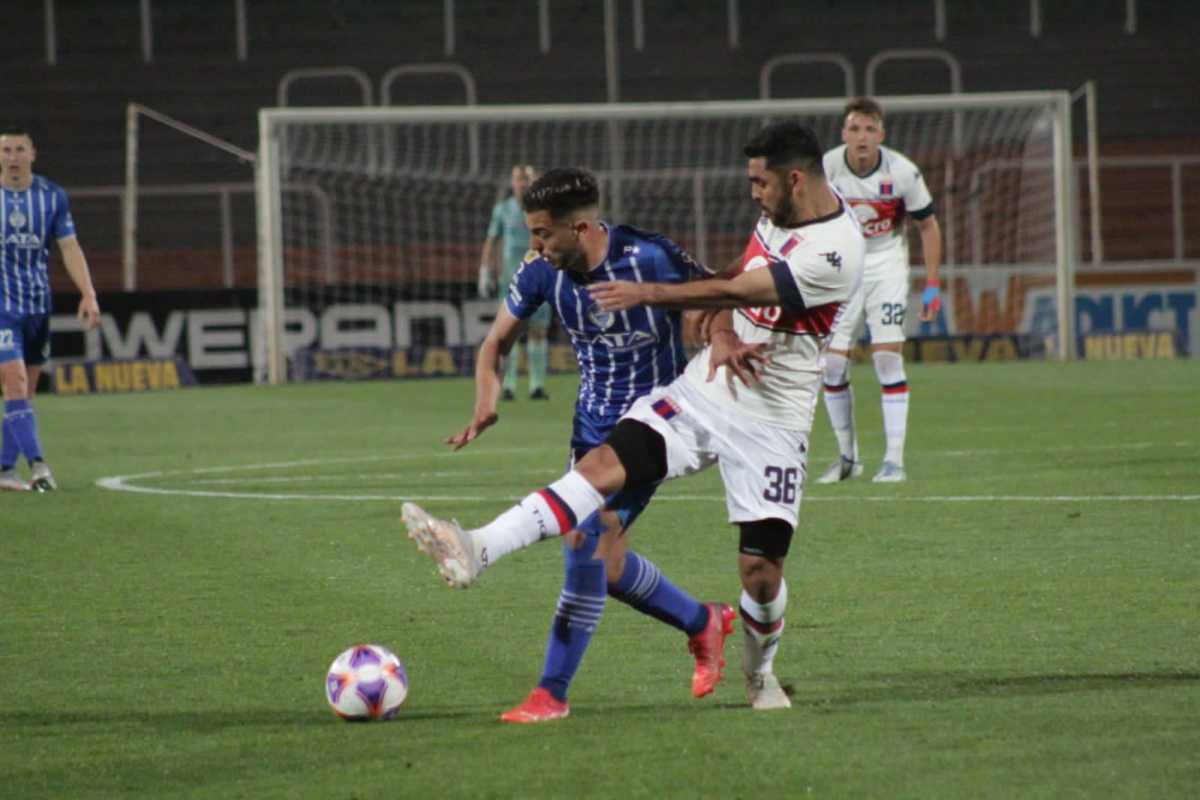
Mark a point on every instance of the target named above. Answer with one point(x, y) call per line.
point(763, 466)
point(884, 298)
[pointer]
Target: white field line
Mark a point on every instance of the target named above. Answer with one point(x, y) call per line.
point(466, 473)
point(122, 483)
point(133, 483)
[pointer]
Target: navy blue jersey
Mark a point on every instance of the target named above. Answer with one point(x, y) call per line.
point(29, 221)
point(621, 356)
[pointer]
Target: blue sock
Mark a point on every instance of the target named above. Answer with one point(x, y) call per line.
point(643, 586)
point(20, 420)
point(579, 608)
point(9, 451)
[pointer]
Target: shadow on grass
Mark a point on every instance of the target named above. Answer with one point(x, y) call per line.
point(923, 687)
point(214, 721)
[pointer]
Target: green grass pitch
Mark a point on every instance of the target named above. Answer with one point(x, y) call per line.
point(1020, 619)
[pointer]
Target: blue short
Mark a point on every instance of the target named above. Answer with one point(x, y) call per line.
point(25, 337)
point(590, 430)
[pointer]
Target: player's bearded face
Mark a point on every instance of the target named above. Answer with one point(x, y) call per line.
point(772, 191)
point(556, 241)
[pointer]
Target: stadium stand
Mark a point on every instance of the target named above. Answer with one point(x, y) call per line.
point(189, 68)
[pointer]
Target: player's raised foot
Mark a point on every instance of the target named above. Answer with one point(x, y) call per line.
point(889, 472)
point(10, 482)
point(708, 648)
point(764, 692)
point(539, 394)
point(446, 543)
point(539, 706)
point(42, 480)
point(841, 470)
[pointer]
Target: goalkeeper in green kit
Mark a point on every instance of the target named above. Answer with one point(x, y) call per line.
point(507, 229)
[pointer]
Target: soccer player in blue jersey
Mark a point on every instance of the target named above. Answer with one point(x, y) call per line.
point(33, 211)
point(621, 357)
point(507, 229)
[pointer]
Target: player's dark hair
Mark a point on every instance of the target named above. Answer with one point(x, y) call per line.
point(561, 191)
point(16, 130)
point(863, 105)
point(787, 145)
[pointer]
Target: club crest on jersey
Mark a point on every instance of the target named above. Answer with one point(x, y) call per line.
point(601, 319)
point(17, 219)
point(886, 188)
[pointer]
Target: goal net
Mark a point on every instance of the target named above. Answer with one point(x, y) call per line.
point(371, 220)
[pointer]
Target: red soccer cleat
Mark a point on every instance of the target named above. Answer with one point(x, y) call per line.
point(708, 647)
point(539, 706)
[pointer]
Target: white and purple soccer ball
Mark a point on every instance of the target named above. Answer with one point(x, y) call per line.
point(366, 682)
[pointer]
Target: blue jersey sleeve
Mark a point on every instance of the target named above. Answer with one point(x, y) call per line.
point(63, 224)
point(530, 286)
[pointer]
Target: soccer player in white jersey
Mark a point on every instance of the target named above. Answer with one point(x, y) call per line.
point(884, 188)
point(33, 210)
point(803, 263)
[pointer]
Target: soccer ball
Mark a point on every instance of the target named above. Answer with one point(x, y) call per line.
point(366, 682)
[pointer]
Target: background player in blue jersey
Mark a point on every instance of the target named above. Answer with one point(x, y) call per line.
point(507, 229)
point(621, 358)
point(33, 211)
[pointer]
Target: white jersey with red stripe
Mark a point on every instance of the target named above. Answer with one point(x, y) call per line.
point(882, 199)
point(816, 267)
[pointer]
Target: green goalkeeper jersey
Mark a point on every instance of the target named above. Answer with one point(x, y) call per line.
point(508, 224)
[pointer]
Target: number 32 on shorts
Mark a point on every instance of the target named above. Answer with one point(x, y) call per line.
point(781, 484)
point(892, 313)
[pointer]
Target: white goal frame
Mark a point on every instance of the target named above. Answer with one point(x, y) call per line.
point(268, 179)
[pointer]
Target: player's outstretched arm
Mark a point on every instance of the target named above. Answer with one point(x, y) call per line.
point(931, 247)
point(753, 288)
point(488, 362)
point(77, 268)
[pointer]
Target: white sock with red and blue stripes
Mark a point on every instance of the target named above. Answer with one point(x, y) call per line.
point(548, 512)
point(889, 366)
point(762, 626)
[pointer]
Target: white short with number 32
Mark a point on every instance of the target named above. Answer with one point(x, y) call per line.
point(884, 298)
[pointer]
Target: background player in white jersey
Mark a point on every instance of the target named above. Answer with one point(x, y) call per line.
point(884, 188)
point(803, 262)
point(621, 358)
point(33, 210)
point(507, 232)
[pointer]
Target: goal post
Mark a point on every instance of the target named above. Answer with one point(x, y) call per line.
point(370, 220)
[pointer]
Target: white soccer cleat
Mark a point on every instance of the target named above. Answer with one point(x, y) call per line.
point(841, 470)
point(765, 693)
point(446, 543)
point(9, 482)
point(42, 480)
point(889, 472)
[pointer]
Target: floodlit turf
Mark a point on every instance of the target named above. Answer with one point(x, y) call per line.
point(939, 643)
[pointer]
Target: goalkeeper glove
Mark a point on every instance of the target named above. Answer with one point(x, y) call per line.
point(486, 287)
point(931, 299)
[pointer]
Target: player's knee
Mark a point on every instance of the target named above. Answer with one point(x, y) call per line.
point(602, 469)
point(889, 367)
point(835, 370)
point(14, 380)
point(640, 450)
